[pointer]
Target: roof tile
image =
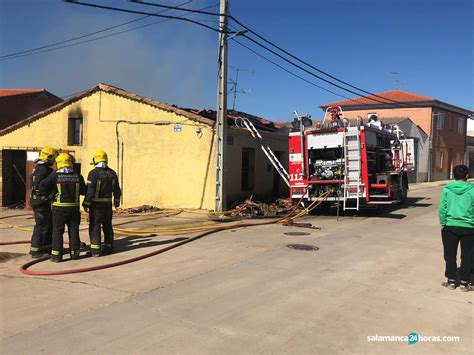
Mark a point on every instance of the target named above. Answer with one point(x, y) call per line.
point(387, 97)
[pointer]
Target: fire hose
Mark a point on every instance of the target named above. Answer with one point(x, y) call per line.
point(24, 268)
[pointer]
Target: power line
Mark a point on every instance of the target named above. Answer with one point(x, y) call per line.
point(168, 7)
point(85, 35)
point(94, 39)
point(142, 13)
point(386, 100)
point(290, 72)
point(313, 67)
point(286, 70)
point(305, 70)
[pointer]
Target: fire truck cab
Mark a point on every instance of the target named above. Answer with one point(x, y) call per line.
point(353, 164)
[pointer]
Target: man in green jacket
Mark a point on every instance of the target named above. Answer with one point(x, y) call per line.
point(456, 216)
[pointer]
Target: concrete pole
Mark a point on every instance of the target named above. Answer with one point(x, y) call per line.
point(221, 117)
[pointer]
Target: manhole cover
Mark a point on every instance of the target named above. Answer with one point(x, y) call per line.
point(4, 256)
point(302, 247)
point(296, 234)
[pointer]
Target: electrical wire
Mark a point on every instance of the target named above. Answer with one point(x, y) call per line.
point(386, 100)
point(141, 13)
point(288, 71)
point(307, 71)
point(169, 7)
point(315, 68)
point(92, 39)
point(86, 35)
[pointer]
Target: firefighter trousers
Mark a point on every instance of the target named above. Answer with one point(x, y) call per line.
point(101, 216)
point(42, 232)
point(70, 217)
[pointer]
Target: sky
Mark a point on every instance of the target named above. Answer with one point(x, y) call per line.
point(430, 43)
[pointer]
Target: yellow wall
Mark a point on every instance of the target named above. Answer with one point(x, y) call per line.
point(160, 167)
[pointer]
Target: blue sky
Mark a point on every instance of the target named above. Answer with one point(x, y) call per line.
point(429, 42)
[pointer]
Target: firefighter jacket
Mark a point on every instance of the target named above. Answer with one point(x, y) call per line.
point(66, 187)
point(39, 173)
point(102, 186)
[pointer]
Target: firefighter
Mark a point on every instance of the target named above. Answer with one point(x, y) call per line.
point(102, 189)
point(67, 185)
point(41, 204)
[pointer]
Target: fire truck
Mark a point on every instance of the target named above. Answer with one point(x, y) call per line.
point(354, 164)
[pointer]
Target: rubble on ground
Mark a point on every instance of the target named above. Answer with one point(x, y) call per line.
point(139, 209)
point(250, 208)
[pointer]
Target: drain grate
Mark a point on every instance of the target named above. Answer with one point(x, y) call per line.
point(296, 234)
point(302, 247)
point(4, 256)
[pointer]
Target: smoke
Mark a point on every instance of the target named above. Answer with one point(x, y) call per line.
point(173, 61)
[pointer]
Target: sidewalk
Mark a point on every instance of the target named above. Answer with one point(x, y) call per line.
point(426, 185)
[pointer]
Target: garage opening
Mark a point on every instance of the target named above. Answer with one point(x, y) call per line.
point(13, 178)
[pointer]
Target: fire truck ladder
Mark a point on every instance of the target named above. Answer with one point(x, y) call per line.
point(352, 172)
point(266, 149)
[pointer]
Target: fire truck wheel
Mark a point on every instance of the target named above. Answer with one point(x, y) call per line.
point(404, 191)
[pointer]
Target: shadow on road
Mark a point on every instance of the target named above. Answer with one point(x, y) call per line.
point(377, 211)
point(137, 242)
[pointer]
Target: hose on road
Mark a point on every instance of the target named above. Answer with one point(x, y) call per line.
point(24, 269)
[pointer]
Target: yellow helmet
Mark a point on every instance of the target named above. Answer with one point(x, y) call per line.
point(48, 154)
point(64, 160)
point(99, 156)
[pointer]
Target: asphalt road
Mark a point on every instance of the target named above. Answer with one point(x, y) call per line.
point(245, 292)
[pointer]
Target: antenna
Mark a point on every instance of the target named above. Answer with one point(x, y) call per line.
point(397, 79)
point(234, 84)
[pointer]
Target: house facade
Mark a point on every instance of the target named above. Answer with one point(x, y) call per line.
point(444, 123)
point(470, 152)
point(18, 104)
point(163, 155)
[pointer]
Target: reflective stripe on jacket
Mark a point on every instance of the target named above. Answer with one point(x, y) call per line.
point(67, 188)
point(102, 186)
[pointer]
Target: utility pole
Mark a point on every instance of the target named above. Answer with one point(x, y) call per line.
point(221, 117)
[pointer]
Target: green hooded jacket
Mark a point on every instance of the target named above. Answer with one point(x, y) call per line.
point(456, 206)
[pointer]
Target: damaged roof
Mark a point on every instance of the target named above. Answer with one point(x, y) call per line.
point(111, 90)
point(260, 123)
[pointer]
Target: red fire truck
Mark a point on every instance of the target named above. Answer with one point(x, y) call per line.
point(355, 164)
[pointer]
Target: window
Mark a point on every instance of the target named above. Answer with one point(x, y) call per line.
point(248, 169)
point(441, 160)
point(440, 121)
point(75, 131)
point(460, 125)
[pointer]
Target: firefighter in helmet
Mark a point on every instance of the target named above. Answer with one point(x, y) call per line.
point(41, 204)
point(102, 189)
point(67, 186)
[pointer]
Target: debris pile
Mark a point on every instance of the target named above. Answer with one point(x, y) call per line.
point(139, 209)
point(251, 209)
point(17, 206)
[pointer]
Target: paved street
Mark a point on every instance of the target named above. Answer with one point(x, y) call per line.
point(244, 291)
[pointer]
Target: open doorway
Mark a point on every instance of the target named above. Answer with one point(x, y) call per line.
point(13, 178)
point(276, 177)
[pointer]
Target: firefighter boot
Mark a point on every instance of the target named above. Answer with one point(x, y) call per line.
point(108, 249)
point(74, 254)
point(95, 250)
point(36, 254)
point(56, 257)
